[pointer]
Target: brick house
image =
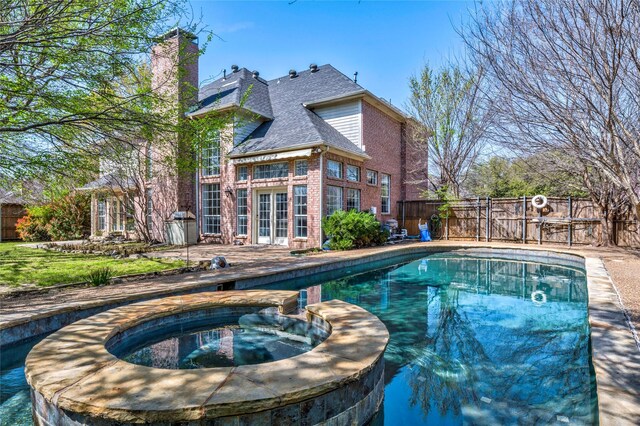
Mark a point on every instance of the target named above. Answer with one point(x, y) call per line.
point(302, 146)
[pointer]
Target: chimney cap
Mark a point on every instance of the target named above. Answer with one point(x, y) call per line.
point(234, 68)
point(256, 74)
point(293, 73)
point(313, 67)
point(176, 32)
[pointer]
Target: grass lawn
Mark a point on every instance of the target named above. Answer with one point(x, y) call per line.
point(28, 266)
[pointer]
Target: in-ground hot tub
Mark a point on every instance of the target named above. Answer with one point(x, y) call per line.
point(325, 366)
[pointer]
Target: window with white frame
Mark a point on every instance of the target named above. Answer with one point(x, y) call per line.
point(268, 171)
point(372, 177)
point(130, 211)
point(385, 192)
point(300, 210)
point(102, 214)
point(149, 209)
point(211, 156)
point(353, 173)
point(302, 167)
point(334, 169)
point(211, 208)
point(148, 163)
point(242, 173)
point(241, 211)
point(334, 199)
point(353, 199)
point(117, 214)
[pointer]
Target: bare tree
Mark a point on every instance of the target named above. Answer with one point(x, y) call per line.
point(447, 106)
point(561, 71)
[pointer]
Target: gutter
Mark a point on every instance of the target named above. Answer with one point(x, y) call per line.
point(320, 143)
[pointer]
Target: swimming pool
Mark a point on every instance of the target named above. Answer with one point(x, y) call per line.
point(473, 340)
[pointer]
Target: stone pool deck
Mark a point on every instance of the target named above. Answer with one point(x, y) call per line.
point(616, 354)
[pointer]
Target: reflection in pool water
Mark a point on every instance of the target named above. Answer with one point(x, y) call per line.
point(473, 341)
point(248, 339)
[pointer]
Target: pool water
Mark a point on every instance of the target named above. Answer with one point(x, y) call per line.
point(252, 338)
point(473, 341)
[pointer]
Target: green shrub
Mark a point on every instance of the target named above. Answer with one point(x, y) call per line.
point(100, 276)
point(353, 229)
point(65, 218)
point(30, 229)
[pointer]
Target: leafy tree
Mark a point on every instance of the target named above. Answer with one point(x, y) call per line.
point(503, 177)
point(66, 70)
point(452, 119)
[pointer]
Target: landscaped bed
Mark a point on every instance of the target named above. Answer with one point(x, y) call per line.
point(25, 266)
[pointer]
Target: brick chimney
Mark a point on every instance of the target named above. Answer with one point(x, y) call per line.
point(174, 68)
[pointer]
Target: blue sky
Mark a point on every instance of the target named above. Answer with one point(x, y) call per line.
point(385, 41)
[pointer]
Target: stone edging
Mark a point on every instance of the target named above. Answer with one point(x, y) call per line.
point(72, 369)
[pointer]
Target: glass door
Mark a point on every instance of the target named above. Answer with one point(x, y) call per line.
point(281, 216)
point(264, 218)
point(273, 218)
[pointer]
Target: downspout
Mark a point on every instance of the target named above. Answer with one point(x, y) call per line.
point(322, 151)
point(197, 194)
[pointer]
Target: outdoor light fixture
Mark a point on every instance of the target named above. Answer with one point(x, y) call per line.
point(228, 191)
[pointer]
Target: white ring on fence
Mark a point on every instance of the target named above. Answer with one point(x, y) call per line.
point(539, 201)
point(538, 297)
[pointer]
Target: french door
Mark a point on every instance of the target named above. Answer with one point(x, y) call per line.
point(273, 217)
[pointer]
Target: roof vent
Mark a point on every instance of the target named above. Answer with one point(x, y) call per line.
point(293, 74)
point(256, 74)
point(313, 67)
point(234, 68)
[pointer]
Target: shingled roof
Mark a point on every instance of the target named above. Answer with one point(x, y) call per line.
point(282, 104)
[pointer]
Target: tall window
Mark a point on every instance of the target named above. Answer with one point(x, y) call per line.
point(117, 214)
point(102, 214)
point(372, 177)
point(211, 156)
point(211, 208)
point(353, 173)
point(130, 213)
point(334, 199)
point(268, 171)
point(148, 163)
point(300, 210)
point(149, 209)
point(385, 192)
point(243, 173)
point(353, 199)
point(334, 169)
point(241, 211)
point(302, 167)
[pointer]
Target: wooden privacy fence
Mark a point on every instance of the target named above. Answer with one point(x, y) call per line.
point(563, 221)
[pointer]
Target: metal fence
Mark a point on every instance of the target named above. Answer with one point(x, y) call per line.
point(563, 221)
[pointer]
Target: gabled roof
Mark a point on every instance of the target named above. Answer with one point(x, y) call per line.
point(286, 107)
point(230, 92)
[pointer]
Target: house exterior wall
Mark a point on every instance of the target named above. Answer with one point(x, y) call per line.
point(345, 118)
point(382, 137)
point(229, 186)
